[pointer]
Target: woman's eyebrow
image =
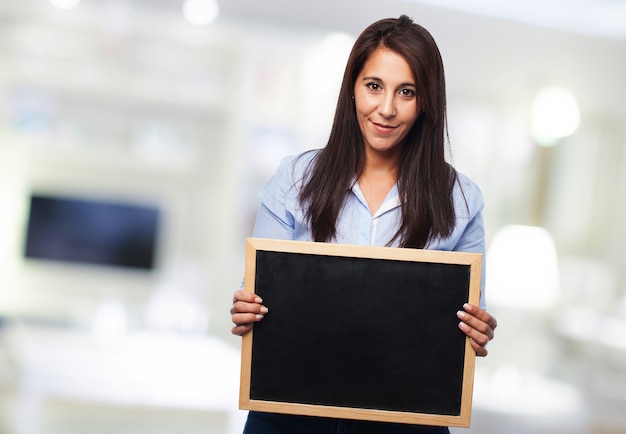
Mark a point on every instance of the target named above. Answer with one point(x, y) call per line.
point(374, 78)
point(371, 78)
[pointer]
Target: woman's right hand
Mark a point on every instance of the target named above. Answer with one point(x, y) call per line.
point(247, 309)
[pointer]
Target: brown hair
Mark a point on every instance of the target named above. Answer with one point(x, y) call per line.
point(425, 179)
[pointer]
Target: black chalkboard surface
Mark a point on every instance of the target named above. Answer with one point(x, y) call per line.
point(359, 332)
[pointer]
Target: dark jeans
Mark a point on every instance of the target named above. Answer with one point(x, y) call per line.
point(268, 423)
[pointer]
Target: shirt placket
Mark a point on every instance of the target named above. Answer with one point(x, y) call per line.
point(373, 227)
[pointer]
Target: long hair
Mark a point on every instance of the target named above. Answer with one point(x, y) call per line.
point(425, 179)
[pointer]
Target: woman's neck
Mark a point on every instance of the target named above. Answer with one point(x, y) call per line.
point(377, 179)
point(382, 162)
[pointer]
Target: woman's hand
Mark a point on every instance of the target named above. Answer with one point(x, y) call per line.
point(478, 325)
point(247, 309)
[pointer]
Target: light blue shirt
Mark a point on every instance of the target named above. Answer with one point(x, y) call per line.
point(280, 215)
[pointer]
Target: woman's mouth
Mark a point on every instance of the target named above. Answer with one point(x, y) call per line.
point(383, 128)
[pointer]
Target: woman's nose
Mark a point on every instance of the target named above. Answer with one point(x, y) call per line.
point(387, 106)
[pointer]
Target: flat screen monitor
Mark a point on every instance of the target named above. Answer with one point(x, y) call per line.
point(88, 231)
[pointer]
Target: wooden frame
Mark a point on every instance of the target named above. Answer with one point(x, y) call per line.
point(356, 332)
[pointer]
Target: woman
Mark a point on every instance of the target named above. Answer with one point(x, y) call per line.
point(382, 179)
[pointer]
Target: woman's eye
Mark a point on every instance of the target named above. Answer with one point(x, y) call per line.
point(407, 93)
point(374, 86)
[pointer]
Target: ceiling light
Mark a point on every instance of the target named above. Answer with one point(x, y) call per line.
point(200, 12)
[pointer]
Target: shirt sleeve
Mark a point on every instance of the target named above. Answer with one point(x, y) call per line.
point(274, 218)
point(472, 239)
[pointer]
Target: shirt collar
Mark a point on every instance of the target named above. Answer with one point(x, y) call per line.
point(392, 200)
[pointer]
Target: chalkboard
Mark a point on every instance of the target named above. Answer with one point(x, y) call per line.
point(358, 332)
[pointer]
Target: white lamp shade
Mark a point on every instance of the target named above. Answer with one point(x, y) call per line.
point(522, 269)
point(554, 115)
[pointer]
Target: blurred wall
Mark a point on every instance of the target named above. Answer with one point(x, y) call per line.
point(126, 100)
point(117, 99)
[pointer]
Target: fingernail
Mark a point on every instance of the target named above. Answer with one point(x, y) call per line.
point(264, 309)
point(258, 300)
point(463, 326)
point(461, 314)
point(259, 316)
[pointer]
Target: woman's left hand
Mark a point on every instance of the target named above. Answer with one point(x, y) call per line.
point(478, 325)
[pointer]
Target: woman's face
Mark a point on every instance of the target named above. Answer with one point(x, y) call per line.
point(386, 103)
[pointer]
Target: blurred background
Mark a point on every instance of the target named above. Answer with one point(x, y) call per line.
point(149, 126)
